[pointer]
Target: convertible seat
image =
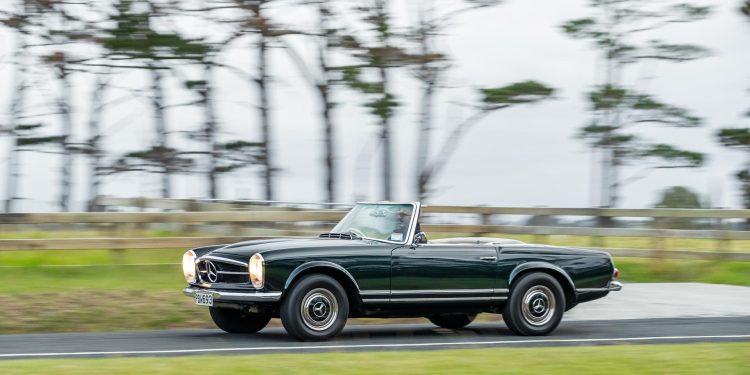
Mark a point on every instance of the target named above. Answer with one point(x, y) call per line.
point(492, 241)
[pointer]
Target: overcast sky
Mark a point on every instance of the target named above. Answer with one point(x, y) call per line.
point(524, 156)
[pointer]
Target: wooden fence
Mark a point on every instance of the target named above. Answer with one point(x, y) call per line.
point(289, 218)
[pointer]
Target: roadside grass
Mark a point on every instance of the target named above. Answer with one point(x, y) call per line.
point(642, 270)
point(718, 358)
point(98, 311)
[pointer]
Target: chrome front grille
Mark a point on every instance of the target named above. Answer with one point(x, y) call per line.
point(217, 271)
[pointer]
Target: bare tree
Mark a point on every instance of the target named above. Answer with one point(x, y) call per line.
point(377, 56)
point(429, 66)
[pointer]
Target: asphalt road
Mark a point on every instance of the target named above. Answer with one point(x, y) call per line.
point(373, 337)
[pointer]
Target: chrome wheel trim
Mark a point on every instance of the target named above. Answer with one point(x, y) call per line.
point(538, 305)
point(319, 309)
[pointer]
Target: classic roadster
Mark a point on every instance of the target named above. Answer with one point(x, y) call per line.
point(377, 263)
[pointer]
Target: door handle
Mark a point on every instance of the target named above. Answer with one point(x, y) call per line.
point(489, 259)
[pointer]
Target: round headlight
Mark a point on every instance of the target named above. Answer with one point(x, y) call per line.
point(188, 266)
point(255, 268)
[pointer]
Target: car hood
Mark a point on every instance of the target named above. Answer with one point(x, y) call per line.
point(247, 248)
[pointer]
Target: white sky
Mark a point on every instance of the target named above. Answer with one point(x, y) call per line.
point(525, 156)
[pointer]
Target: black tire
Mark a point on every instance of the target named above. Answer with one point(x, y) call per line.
point(536, 305)
point(238, 321)
point(452, 321)
point(316, 308)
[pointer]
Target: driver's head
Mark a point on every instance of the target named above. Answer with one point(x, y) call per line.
point(404, 215)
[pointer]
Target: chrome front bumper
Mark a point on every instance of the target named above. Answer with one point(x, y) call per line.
point(615, 286)
point(225, 296)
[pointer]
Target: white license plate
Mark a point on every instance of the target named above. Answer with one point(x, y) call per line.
point(204, 299)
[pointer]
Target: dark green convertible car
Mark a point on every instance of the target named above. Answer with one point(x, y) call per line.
point(377, 263)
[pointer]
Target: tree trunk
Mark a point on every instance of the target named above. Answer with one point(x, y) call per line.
point(160, 124)
point(327, 106)
point(606, 186)
point(423, 141)
point(262, 81)
point(66, 170)
point(95, 149)
point(211, 130)
point(385, 136)
point(16, 110)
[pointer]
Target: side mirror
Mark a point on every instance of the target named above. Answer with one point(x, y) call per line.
point(420, 237)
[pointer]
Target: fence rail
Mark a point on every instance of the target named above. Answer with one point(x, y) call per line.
point(308, 219)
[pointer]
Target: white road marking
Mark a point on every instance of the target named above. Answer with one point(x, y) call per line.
point(371, 346)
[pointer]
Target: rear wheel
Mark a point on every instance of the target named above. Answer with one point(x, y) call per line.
point(536, 305)
point(316, 308)
point(238, 321)
point(452, 321)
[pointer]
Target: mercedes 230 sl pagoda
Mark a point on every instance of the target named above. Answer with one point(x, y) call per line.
point(378, 263)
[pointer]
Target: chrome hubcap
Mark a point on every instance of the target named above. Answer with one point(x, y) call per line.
point(319, 309)
point(538, 305)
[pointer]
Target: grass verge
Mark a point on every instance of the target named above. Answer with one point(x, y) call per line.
point(726, 358)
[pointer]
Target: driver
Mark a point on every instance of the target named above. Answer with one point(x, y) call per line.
point(402, 228)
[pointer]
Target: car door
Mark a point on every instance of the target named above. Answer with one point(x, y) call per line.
point(443, 273)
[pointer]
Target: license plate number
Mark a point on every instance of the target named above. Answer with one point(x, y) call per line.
point(204, 299)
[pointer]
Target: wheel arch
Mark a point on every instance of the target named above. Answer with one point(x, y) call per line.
point(335, 271)
point(558, 273)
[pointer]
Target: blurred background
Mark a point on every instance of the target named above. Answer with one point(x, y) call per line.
point(183, 123)
point(452, 102)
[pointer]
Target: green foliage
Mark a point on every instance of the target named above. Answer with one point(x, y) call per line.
point(41, 140)
point(669, 153)
point(735, 137)
point(674, 52)
point(679, 197)
point(517, 93)
point(610, 132)
point(157, 159)
point(235, 155)
point(745, 9)
point(133, 37)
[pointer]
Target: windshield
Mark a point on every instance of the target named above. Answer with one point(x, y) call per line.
point(385, 222)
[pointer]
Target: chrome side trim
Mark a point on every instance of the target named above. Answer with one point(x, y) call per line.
point(449, 299)
point(375, 292)
point(444, 291)
point(225, 260)
point(372, 293)
point(220, 295)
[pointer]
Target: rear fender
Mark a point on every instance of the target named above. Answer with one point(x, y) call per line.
point(565, 281)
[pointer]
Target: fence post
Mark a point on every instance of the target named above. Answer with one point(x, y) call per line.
point(486, 219)
point(658, 243)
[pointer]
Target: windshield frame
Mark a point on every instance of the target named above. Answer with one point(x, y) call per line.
point(409, 238)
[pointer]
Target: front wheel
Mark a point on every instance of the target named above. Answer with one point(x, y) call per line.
point(536, 305)
point(316, 308)
point(452, 321)
point(238, 321)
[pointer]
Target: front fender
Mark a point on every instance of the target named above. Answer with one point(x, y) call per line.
point(203, 250)
point(322, 265)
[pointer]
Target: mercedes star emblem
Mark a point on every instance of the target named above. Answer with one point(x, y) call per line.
point(211, 272)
